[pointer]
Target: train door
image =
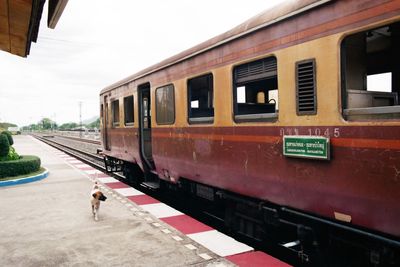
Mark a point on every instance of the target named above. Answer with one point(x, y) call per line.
point(105, 124)
point(145, 126)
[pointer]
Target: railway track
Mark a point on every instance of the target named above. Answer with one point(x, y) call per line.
point(191, 207)
point(91, 159)
point(90, 141)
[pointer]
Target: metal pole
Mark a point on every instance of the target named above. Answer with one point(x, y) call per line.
point(80, 119)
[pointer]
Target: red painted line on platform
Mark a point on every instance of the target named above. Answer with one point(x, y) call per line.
point(101, 175)
point(116, 185)
point(143, 200)
point(86, 168)
point(256, 259)
point(186, 224)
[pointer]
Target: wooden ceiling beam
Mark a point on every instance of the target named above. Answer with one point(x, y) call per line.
point(4, 27)
point(20, 20)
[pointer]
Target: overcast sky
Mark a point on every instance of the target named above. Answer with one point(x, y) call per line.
point(98, 42)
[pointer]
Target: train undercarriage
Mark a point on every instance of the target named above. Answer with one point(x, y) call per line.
point(301, 238)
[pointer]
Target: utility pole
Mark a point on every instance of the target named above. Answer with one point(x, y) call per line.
point(54, 121)
point(80, 119)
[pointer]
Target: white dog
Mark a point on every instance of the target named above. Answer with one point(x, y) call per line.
point(96, 197)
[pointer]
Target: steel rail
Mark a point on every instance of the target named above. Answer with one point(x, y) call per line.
point(75, 152)
point(96, 142)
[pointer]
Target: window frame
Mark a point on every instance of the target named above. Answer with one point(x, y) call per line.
point(366, 114)
point(130, 123)
point(101, 115)
point(202, 119)
point(115, 124)
point(170, 85)
point(256, 117)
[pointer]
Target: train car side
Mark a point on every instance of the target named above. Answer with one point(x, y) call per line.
point(207, 142)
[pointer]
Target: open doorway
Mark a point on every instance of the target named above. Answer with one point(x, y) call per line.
point(145, 126)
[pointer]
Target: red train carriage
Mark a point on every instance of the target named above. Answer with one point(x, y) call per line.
point(290, 120)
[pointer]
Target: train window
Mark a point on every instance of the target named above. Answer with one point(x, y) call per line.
point(115, 113)
point(255, 91)
point(101, 115)
point(165, 105)
point(200, 99)
point(306, 99)
point(128, 110)
point(371, 74)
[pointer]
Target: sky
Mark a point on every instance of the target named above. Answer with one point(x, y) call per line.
point(99, 42)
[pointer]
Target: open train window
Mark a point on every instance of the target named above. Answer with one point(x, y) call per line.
point(165, 105)
point(200, 98)
point(255, 91)
point(128, 110)
point(115, 113)
point(371, 74)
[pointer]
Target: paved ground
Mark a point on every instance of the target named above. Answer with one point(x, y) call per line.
point(49, 223)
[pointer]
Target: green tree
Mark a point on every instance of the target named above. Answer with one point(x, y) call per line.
point(31, 127)
point(4, 145)
point(47, 124)
point(95, 124)
point(68, 126)
point(9, 136)
point(34, 127)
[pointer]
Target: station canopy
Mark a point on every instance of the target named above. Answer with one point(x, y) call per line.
point(20, 20)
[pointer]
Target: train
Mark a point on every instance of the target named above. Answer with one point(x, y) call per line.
point(288, 123)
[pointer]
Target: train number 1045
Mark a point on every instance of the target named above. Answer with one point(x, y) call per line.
point(327, 132)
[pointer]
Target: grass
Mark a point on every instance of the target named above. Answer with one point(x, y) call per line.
point(41, 170)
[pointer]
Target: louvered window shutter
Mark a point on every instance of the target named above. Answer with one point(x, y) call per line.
point(253, 71)
point(306, 87)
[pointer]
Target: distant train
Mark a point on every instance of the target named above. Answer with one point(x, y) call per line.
point(289, 122)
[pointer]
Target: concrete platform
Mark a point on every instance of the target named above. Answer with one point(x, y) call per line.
point(49, 223)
